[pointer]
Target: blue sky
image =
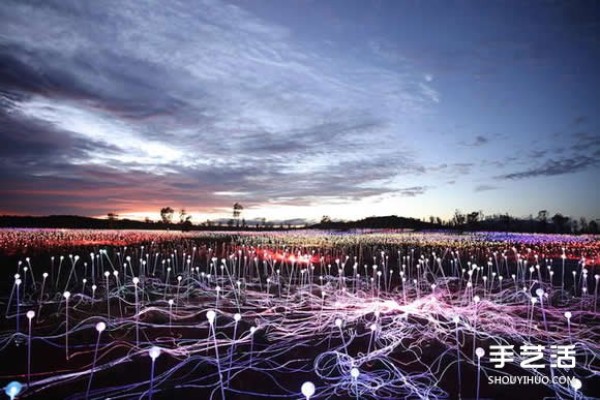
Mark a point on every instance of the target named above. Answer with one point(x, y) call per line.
point(299, 109)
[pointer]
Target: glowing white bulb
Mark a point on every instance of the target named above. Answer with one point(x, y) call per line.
point(237, 317)
point(456, 319)
point(354, 373)
point(576, 383)
point(308, 389)
point(539, 292)
point(476, 299)
point(13, 389)
point(30, 314)
point(107, 274)
point(154, 352)
point(568, 314)
point(100, 327)
point(66, 295)
point(45, 275)
point(210, 316)
point(135, 280)
point(479, 352)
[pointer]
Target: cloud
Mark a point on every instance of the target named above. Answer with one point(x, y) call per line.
point(485, 188)
point(187, 101)
point(478, 141)
point(412, 191)
point(579, 153)
point(553, 168)
point(586, 143)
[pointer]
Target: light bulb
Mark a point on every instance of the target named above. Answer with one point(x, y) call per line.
point(100, 327)
point(308, 389)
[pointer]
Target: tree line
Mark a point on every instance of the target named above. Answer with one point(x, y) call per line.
point(544, 222)
point(474, 221)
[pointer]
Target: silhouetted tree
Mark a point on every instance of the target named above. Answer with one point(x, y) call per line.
point(543, 219)
point(186, 225)
point(574, 226)
point(185, 220)
point(560, 222)
point(505, 221)
point(583, 225)
point(112, 216)
point(182, 215)
point(237, 211)
point(166, 215)
point(458, 219)
point(472, 218)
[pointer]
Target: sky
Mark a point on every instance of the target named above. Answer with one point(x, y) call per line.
point(299, 109)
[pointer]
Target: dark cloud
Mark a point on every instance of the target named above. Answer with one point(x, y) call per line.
point(485, 188)
point(478, 141)
point(553, 168)
point(586, 143)
point(538, 153)
point(413, 191)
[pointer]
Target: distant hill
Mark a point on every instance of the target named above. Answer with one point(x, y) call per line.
point(387, 222)
point(72, 222)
